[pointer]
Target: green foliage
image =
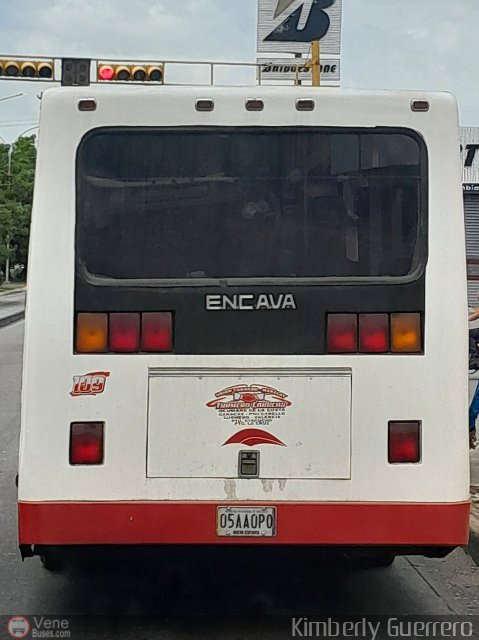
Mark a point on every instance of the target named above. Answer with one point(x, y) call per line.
point(17, 171)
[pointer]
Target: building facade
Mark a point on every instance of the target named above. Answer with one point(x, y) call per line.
point(470, 158)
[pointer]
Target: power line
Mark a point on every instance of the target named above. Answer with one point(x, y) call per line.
point(19, 123)
point(17, 95)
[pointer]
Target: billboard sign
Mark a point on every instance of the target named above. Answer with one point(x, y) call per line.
point(470, 158)
point(289, 26)
point(285, 69)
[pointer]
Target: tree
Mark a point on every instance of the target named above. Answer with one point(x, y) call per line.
point(17, 171)
point(6, 206)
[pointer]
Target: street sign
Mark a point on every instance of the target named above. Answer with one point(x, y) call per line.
point(291, 25)
point(285, 69)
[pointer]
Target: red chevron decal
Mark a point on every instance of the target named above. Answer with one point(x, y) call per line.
point(253, 437)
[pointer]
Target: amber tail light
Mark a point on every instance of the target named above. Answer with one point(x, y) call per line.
point(406, 333)
point(92, 333)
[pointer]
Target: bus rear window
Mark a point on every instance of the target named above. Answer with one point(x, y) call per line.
point(185, 205)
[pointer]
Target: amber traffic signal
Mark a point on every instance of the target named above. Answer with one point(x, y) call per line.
point(27, 69)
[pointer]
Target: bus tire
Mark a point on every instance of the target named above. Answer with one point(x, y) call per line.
point(371, 559)
point(379, 560)
point(52, 560)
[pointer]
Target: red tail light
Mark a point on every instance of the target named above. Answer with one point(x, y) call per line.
point(342, 333)
point(157, 332)
point(86, 443)
point(404, 442)
point(124, 333)
point(374, 333)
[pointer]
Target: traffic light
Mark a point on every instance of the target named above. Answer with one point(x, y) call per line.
point(27, 69)
point(130, 72)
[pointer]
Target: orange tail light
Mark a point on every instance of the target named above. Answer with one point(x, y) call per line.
point(406, 333)
point(92, 333)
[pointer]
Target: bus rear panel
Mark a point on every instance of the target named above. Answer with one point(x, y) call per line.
point(254, 331)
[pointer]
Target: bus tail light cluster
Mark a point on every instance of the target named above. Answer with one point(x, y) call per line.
point(86, 443)
point(404, 442)
point(124, 332)
point(374, 333)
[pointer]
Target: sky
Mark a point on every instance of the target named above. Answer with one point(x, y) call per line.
point(387, 44)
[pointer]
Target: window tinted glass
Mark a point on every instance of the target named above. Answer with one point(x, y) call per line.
point(244, 203)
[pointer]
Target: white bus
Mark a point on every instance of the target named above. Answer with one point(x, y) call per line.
point(246, 322)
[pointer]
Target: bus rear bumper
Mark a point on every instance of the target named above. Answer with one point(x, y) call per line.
point(190, 523)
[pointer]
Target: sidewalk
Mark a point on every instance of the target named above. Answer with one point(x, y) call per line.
point(6, 290)
point(12, 306)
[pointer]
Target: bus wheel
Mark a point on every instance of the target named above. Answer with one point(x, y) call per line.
point(52, 560)
point(373, 559)
point(379, 560)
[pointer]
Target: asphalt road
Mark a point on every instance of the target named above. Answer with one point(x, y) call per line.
point(241, 584)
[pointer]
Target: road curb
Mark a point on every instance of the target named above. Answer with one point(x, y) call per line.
point(15, 317)
point(473, 546)
point(10, 293)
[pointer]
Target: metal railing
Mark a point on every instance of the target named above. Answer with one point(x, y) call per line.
point(175, 72)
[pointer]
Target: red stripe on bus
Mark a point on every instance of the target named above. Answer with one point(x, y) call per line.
point(58, 523)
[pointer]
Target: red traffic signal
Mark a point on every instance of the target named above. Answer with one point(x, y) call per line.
point(138, 73)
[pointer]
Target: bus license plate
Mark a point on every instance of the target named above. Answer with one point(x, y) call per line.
point(257, 522)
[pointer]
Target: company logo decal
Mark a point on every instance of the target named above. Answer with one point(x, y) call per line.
point(89, 384)
point(282, 6)
point(251, 406)
point(250, 302)
point(317, 25)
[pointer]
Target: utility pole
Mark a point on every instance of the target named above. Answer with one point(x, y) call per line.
point(298, 58)
point(7, 263)
point(316, 63)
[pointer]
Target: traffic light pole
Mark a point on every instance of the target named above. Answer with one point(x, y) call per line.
point(7, 260)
